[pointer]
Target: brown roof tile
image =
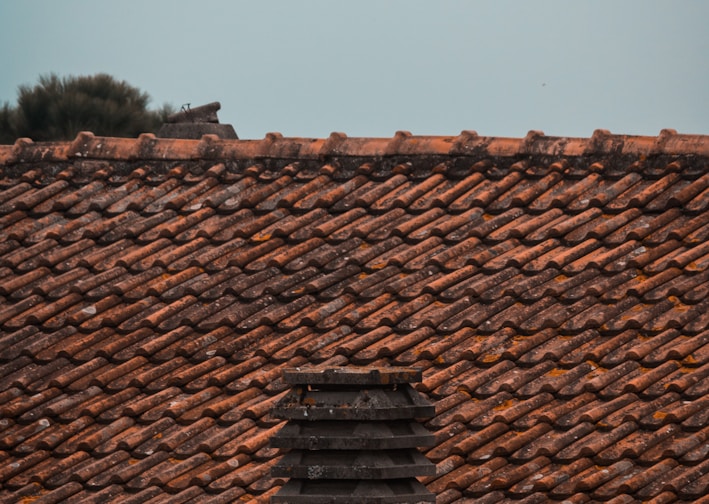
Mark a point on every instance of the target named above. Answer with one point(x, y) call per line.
point(551, 290)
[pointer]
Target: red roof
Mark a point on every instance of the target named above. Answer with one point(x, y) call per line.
point(552, 290)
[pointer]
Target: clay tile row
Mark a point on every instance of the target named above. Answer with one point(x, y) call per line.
point(86, 146)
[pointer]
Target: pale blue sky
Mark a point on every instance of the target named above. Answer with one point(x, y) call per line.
point(372, 67)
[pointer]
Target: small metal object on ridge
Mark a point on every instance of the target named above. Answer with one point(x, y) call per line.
point(353, 437)
point(202, 114)
point(194, 122)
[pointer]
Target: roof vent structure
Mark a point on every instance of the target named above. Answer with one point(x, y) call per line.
point(352, 435)
point(192, 123)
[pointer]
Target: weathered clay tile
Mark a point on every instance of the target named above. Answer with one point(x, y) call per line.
point(484, 193)
point(102, 198)
point(509, 443)
point(96, 435)
point(693, 289)
point(87, 469)
point(392, 345)
point(640, 285)
point(39, 315)
point(698, 236)
point(210, 287)
point(60, 286)
point(636, 411)
point(317, 346)
point(7, 222)
point(463, 443)
point(445, 192)
point(23, 228)
point(520, 286)
point(101, 403)
point(608, 190)
point(328, 285)
point(439, 283)
point(160, 199)
point(644, 227)
point(433, 315)
point(462, 477)
point(89, 283)
point(505, 477)
point(260, 378)
point(21, 254)
point(646, 195)
point(137, 226)
point(443, 256)
point(555, 306)
point(696, 475)
point(134, 436)
point(637, 443)
point(598, 441)
point(566, 193)
point(697, 390)
point(126, 469)
point(367, 194)
point(393, 312)
point(520, 255)
point(468, 281)
point(323, 192)
point(220, 194)
point(489, 224)
point(141, 197)
point(441, 224)
point(680, 411)
point(66, 376)
point(23, 465)
point(476, 314)
point(248, 441)
point(190, 200)
point(651, 255)
point(24, 373)
point(526, 225)
point(13, 194)
point(13, 368)
point(71, 196)
point(42, 471)
point(690, 190)
point(277, 195)
point(161, 474)
point(486, 349)
point(586, 480)
point(524, 193)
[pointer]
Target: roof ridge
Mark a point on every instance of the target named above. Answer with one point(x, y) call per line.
point(274, 145)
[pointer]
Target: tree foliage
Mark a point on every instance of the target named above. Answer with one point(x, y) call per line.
point(58, 108)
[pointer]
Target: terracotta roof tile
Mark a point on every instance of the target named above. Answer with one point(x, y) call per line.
point(555, 380)
point(552, 291)
point(485, 193)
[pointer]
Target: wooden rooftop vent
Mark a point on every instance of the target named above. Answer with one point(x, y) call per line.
point(352, 435)
point(192, 123)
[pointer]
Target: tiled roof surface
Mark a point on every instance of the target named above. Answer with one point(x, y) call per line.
point(552, 290)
